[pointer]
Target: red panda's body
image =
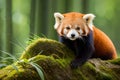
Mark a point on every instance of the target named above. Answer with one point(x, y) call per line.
point(104, 47)
point(77, 32)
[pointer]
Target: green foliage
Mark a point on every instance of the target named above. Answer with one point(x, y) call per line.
point(11, 58)
point(38, 68)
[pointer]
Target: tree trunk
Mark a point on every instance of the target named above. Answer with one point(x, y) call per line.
point(41, 17)
point(84, 6)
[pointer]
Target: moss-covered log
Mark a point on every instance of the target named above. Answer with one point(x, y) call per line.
point(54, 58)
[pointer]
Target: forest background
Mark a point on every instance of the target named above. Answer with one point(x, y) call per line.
point(22, 19)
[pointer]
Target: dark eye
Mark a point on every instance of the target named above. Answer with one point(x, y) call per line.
point(68, 28)
point(78, 28)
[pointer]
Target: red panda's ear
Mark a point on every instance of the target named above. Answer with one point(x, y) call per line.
point(89, 20)
point(58, 19)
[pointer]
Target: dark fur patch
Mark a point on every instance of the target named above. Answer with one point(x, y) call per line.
point(82, 48)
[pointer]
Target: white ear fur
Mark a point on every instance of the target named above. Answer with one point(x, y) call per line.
point(89, 20)
point(58, 17)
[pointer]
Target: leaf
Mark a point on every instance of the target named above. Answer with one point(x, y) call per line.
point(12, 57)
point(38, 69)
point(15, 67)
point(2, 65)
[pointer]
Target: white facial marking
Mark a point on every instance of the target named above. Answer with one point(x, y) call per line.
point(81, 32)
point(65, 30)
point(72, 32)
point(86, 30)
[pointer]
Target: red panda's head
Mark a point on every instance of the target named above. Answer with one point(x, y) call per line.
point(73, 25)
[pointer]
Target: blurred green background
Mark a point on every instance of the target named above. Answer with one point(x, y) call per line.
point(20, 19)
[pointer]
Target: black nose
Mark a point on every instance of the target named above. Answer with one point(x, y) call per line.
point(72, 35)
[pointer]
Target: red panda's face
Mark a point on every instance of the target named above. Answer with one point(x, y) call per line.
point(72, 31)
point(73, 25)
point(74, 28)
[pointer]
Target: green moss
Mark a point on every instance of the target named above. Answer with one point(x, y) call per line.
point(95, 73)
point(116, 61)
point(47, 47)
point(64, 62)
point(103, 76)
point(22, 75)
point(79, 75)
point(25, 72)
point(39, 57)
point(56, 69)
point(55, 58)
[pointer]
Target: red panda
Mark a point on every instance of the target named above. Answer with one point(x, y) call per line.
point(77, 32)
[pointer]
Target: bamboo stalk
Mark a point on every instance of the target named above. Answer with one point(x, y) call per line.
point(32, 18)
point(9, 28)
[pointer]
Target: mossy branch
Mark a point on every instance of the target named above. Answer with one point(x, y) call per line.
point(54, 59)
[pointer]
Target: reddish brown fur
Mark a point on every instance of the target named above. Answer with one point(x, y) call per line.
point(104, 47)
point(72, 18)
